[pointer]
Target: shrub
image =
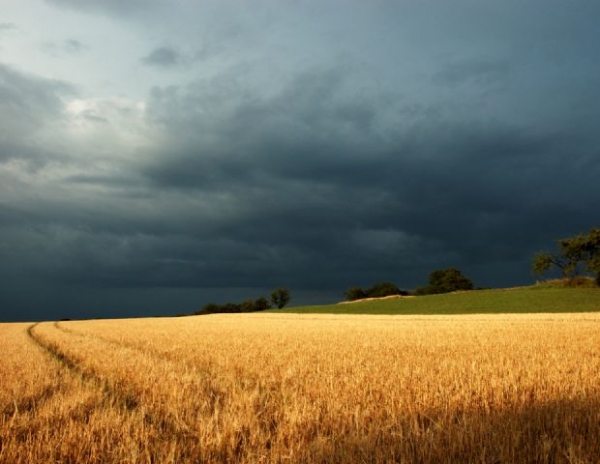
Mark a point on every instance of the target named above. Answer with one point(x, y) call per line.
point(208, 308)
point(261, 304)
point(445, 281)
point(231, 308)
point(426, 290)
point(384, 289)
point(376, 291)
point(355, 293)
point(578, 281)
point(247, 306)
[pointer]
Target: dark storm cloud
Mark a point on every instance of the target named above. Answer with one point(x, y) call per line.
point(28, 100)
point(164, 57)
point(329, 177)
point(472, 144)
point(27, 103)
point(297, 194)
point(220, 133)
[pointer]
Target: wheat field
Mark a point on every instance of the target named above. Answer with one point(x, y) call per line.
point(303, 389)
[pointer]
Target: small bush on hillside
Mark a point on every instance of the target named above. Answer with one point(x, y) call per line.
point(574, 282)
point(231, 308)
point(426, 290)
point(247, 306)
point(260, 304)
point(582, 282)
point(384, 289)
point(355, 293)
point(208, 308)
point(376, 291)
point(445, 281)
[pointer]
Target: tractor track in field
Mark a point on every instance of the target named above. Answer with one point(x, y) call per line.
point(144, 350)
point(30, 403)
point(53, 350)
point(119, 399)
point(120, 344)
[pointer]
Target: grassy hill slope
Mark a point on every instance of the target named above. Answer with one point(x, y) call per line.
point(536, 299)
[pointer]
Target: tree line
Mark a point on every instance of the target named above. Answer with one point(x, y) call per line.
point(440, 281)
point(376, 291)
point(575, 256)
point(279, 298)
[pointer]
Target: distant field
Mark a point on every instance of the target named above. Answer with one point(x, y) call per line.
point(303, 388)
point(536, 299)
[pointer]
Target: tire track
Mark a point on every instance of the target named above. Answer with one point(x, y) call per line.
point(165, 356)
point(212, 394)
point(123, 399)
point(118, 398)
point(53, 350)
point(30, 403)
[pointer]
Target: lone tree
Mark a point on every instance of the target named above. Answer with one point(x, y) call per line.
point(574, 255)
point(445, 281)
point(280, 297)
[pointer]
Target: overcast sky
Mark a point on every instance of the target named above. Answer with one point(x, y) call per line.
point(156, 155)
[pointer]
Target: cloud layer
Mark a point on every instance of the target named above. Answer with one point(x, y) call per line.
point(256, 159)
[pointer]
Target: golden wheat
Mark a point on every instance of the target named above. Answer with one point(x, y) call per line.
point(318, 388)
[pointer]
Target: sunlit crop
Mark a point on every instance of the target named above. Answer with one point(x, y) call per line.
point(303, 388)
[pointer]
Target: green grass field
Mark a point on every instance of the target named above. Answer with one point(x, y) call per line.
point(535, 299)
